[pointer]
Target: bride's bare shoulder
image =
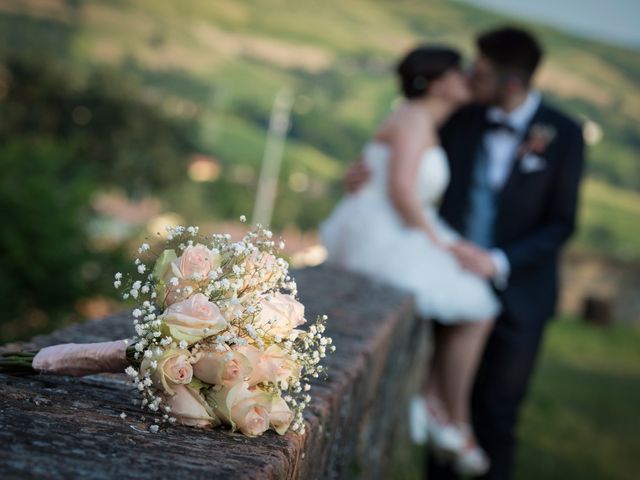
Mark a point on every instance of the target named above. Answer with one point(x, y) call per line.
point(408, 119)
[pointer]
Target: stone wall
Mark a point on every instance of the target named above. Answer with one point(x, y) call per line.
point(61, 427)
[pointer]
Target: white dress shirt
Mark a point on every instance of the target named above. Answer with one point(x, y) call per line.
point(501, 147)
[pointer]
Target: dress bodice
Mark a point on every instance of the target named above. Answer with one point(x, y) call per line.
point(433, 173)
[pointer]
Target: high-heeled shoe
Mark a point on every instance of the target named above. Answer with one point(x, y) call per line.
point(418, 420)
point(470, 460)
point(443, 437)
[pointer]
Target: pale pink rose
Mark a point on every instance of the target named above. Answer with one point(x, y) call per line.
point(178, 369)
point(252, 421)
point(280, 315)
point(281, 416)
point(244, 408)
point(190, 408)
point(272, 365)
point(194, 319)
point(196, 262)
point(222, 368)
point(174, 368)
point(261, 268)
point(268, 263)
point(190, 269)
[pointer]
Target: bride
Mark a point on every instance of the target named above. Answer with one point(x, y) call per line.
point(390, 230)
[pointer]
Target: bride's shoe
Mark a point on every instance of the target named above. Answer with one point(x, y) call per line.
point(445, 438)
point(470, 460)
point(418, 420)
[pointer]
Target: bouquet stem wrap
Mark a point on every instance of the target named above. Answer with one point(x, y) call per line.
point(82, 359)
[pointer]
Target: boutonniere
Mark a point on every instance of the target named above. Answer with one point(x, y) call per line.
point(539, 137)
point(534, 146)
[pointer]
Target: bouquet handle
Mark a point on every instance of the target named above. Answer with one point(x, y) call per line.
point(69, 359)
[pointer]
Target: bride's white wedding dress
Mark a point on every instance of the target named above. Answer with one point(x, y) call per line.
point(365, 234)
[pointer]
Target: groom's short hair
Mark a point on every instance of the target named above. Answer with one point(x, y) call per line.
point(512, 50)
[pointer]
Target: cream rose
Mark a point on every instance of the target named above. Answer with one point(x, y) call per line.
point(244, 408)
point(222, 368)
point(260, 268)
point(271, 365)
point(196, 262)
point(174, 368)
point(193, 319)
point(190, 408)
point(281, 416)
point(280, 314)
point(191, 267)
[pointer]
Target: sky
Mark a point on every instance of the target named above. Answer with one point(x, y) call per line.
point(616, 21)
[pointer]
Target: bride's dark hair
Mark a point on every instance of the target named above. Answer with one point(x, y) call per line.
point(423, 65)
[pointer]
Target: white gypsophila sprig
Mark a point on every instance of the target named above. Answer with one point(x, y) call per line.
point(308, 349)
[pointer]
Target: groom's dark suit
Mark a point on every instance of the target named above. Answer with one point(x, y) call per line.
point(535, 215)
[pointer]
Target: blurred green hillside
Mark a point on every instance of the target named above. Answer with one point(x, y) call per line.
point(221, 63)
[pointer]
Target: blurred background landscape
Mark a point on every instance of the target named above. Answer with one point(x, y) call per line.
point(119, 117)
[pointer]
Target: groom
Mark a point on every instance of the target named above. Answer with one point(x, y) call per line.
point(516, 164)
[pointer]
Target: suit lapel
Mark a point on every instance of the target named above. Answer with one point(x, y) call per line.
point(508, 188)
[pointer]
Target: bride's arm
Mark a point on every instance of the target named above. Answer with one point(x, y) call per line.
point(408, 140)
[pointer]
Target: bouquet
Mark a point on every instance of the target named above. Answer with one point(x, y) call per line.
point(217, 336)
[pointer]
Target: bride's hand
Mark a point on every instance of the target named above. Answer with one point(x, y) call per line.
point(461, 250)
point(473, 258)
point(437, 242)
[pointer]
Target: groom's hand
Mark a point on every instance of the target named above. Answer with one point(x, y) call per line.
point(356, 176)
point(475, 259)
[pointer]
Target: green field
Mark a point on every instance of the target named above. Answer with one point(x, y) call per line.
point(609, 220)
point(581, 419)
